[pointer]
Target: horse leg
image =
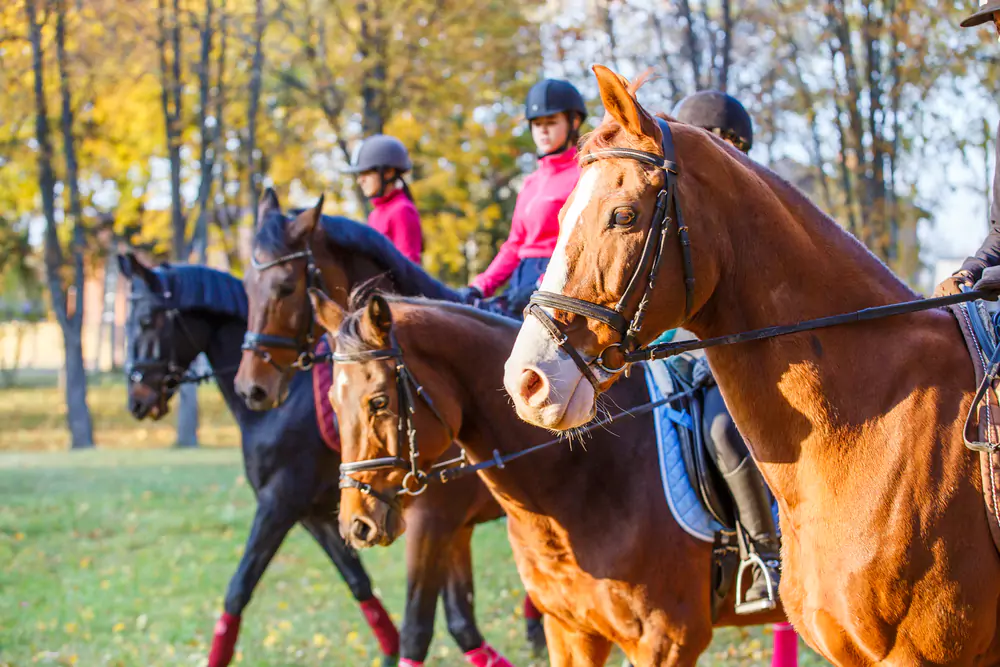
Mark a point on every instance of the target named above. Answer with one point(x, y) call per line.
point(325, 531)
point(459, 605)
point(271, 522)
point(534, 629)
point(426, 553)
point(569, 647)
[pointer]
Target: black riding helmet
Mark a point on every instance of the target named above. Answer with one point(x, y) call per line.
point(718, 113)
point(552, 96)
point(987, 8)
point(380, 152)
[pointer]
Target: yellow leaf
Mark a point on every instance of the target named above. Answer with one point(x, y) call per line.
point(118, 627)
point(284, 625)
point(270, 640)
point(70, 628)
point(18, 537)
point(105, 585)
point(84, 562)
point(282, 606)
point(319, 640)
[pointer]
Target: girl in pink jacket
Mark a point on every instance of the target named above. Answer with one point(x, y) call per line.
point(555, 110)
point(380, 162)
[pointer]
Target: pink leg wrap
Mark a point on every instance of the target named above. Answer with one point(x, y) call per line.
point(786, 646)
point(381, 625)
point(227, 629)
point(486, 656)
point(530, 610)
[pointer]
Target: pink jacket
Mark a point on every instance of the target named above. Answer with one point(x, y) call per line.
point(534, 228)
point(396, 216)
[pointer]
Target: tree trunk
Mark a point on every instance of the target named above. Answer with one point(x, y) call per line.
point(253, 185)
point(372, 49)
point(727, 44)
point(206, 157)
point(694, 55)
point(78, 414)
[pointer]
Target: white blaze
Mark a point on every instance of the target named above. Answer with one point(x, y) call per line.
point(558, 270)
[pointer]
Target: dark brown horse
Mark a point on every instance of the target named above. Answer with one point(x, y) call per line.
point(593, 538)
point(346, 254)
point(887, 553)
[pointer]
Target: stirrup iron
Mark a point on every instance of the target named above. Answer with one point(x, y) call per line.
point(744, 608)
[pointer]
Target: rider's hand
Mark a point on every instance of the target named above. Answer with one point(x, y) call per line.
point(952, 284)
point(469, 294)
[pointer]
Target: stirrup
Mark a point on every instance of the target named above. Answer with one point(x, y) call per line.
point(769, 603)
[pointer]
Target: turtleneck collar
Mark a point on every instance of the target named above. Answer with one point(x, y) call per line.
point(559, 161)
point(385, 199)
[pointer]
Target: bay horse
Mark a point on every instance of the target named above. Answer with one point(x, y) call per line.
point(589, 525)
point(293, 473)
point(291, 254)
point(887, 553)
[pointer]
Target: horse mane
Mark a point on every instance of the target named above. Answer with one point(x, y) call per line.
point(192, 287)
point(350, 340)
point(358, 238)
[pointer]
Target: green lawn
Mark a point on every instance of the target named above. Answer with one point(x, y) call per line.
point(121, 557)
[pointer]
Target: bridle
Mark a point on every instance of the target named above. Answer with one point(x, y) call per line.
point(408, 390)
point(304, 342)
point(666, 215)
point(172, 372)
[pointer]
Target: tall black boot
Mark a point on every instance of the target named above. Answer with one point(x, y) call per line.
point(753, 503)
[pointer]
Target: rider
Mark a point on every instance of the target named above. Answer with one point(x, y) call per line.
point(380, 162)
point(989, 253)
point(725, 117)
point(555, 111)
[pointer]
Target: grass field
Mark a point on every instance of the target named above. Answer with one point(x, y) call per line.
point(121, 557)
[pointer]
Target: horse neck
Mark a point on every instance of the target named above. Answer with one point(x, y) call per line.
point(223, 352)
point(489, 423)
point(784, 262)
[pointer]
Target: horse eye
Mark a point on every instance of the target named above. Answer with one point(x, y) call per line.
point(285, 291)
point(378, 403)
point(623, 217)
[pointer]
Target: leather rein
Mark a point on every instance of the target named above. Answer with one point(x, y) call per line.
point(304, 342)
point(416, 480)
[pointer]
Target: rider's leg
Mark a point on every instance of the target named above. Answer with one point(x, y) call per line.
point(750, 492)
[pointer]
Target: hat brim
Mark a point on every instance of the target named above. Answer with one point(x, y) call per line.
point(982, 16)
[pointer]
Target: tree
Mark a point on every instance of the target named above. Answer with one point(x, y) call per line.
point(78, 414)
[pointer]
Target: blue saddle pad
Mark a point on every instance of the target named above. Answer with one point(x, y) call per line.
point(682, 499)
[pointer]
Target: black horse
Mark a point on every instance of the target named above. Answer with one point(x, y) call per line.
point(178, 312)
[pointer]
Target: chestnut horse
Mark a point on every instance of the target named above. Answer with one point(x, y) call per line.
point(346, 254)
point(887, 554)
point(592, 536)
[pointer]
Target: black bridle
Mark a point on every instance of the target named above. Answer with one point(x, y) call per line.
point(172, 373)
point(666, 216)
point(408, 390)
point(304, 342)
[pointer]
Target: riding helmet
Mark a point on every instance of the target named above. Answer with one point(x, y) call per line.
point(551, 96)
point(986, 10)
point(719, 113)
point(380, 151)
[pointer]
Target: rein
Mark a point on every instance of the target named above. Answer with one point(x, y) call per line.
point(304, 342)
point(445, 471)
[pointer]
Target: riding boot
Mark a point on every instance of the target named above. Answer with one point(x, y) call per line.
point(753, 503)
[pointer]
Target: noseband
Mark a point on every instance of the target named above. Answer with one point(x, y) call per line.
point(407, 391)
point(666, 215)
point(304, 343)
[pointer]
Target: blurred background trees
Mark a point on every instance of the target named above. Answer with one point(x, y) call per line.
point(154, 125)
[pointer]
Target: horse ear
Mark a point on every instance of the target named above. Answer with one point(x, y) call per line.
point(305, 222)
point(132, 268)
point(328, 313)
point(620, 103)
point(268, 203)
point(377, 322)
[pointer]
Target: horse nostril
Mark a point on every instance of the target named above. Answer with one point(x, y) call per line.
point(257, 393)
point(533, 388)
point(362, 529)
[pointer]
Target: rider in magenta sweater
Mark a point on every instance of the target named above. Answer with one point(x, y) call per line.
point(380, 162)
point(555, 111)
